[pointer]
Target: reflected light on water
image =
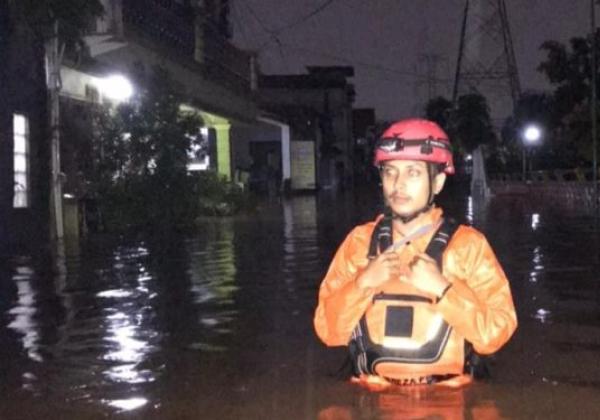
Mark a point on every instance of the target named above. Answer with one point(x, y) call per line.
point(128, 404)
point(212, 273)
point(542, 315)
point(117, 293)
point(126, 327)
point(469, 215)
point(535, 221)
point(24, 313)
point(538, 258)
point(130, 349)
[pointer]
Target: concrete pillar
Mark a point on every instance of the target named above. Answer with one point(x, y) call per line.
point(285, 152)
point(479, 187)
point(71, 218)
point(223, 149)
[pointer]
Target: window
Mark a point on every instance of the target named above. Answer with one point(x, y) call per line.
point(199, 153)
point(21, 161)
point(92, 94)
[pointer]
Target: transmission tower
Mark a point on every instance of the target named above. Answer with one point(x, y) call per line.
point(486, 60)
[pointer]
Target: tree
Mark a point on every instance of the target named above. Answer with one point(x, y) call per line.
point(468, 123)
point(534, 108)
point(439, 109)
point(471, 123)
point(73, 17)
point(140, 154)
point(568, 69)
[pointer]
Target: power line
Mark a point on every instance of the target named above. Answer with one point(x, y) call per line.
point(271, 32)
point(306, 17)
point(236, 17)
point(275, 32)
point(353, 62)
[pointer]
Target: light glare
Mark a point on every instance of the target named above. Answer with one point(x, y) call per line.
point(117, 87)
point(532, 134)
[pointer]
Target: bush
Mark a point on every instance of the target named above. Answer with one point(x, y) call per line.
point(219, 197)
point(148, 203)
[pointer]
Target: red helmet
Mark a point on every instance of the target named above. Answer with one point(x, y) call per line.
point(415, 139)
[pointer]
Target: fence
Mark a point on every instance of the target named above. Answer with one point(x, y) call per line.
point(566, 184)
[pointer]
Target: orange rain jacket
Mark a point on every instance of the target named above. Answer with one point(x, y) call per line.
point(478, 307)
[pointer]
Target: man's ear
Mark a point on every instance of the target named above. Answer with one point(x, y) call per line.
point(438, 183)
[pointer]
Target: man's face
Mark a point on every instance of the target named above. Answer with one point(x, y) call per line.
point(406, 185)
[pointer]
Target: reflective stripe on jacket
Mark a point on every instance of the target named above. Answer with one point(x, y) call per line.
point(478, 307)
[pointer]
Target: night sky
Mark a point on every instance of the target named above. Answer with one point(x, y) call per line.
point(383, 40)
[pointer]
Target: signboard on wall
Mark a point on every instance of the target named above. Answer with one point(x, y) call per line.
point(303, 168)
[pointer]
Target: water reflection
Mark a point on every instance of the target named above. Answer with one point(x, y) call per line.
point(469, 214)
point(217, 324)
point(128, 335)
point(542, 314)
point(25, 311)
point(535, 221)
point(127, 404)
point(416, 403)
point(476, 210)
point(212, 274)
point(300, 246)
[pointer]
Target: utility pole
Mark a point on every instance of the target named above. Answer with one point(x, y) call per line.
point(6, 150)
point(593, 102)
point(54, 54)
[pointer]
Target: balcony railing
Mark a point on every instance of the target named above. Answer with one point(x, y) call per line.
point(225, 63)
point(164, 21)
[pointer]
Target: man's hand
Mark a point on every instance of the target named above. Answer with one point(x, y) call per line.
point(425, 275)
point(383, 268)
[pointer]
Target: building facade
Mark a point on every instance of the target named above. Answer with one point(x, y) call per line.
point(24, 151)
point(319, 106)
point(190, 39)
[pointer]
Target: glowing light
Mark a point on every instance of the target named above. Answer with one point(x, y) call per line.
point(116, 87)
point(532, 134)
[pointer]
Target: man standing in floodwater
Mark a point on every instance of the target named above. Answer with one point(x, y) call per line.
point(412, 292)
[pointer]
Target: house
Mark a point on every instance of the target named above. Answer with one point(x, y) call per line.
point(24, 149)
point(189, 39)
point(318, 106)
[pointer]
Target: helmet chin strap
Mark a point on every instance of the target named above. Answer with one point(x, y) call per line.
point(410, 217)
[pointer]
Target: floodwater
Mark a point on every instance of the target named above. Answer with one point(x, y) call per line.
point(217, 324)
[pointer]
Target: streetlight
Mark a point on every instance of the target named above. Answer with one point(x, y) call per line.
point(532, 135)
point(116, 87)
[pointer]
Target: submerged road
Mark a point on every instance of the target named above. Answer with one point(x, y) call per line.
point(217, 324)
